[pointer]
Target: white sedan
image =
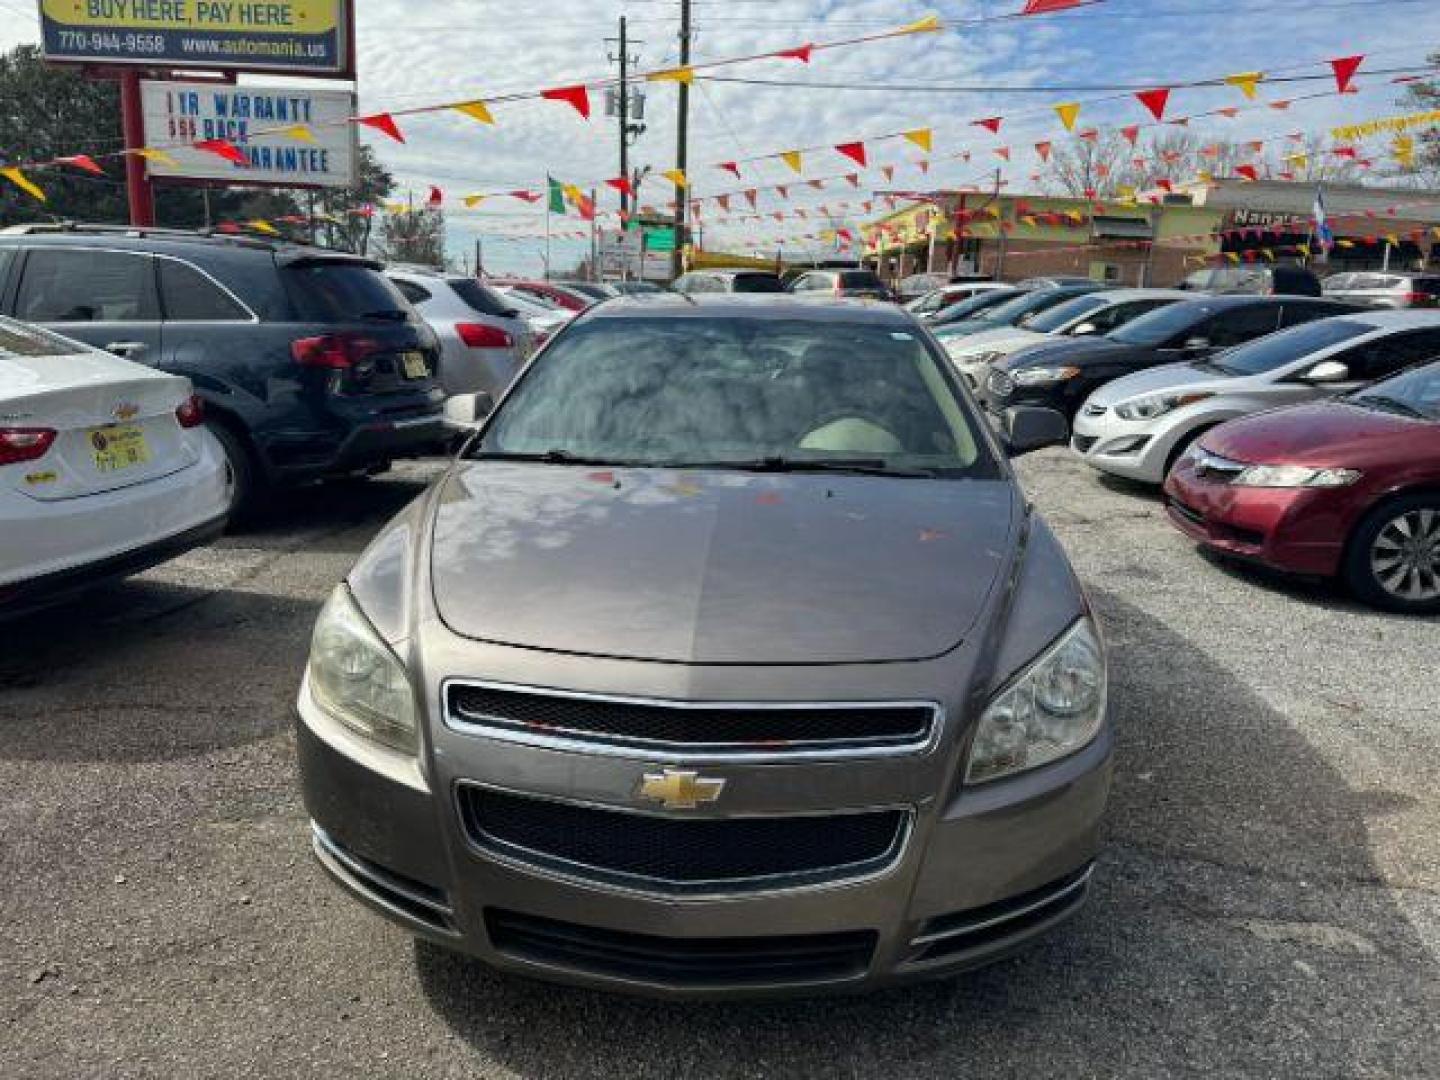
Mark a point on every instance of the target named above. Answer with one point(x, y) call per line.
point(105, 468)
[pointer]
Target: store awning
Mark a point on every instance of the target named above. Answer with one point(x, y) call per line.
point(1122, 228)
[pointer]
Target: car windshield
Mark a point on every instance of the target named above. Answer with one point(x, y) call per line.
point(1061, 314)
point(1012, 311)
point(1164, 323)
point(973, 306)
point(1416, 393)
point(1268, 353)
point(744, 393)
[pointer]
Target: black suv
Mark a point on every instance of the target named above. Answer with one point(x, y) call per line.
point(310, 363)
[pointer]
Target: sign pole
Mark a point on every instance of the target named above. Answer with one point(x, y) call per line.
point(132, 125)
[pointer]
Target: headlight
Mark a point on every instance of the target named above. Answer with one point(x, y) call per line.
point(1053, 709)
point(1153, 405)
point(1294, 476)
point(1040, 376)
point(357, 680)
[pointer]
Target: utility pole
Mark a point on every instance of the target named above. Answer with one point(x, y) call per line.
point(479, 264)
point(682, 135)
point(622, 103)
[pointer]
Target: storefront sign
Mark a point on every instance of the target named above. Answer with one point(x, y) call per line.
point(309, 36)
point(180, 113)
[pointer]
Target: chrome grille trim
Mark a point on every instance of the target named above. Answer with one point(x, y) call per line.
point(696, 752)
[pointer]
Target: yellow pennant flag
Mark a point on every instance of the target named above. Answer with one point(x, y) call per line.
point(1345, 243)
point(298, 132)
point(1247, 81)
point(476, 110)
point(1404, 150)
point(1205, 177)
point(473, 201)
point(1392, 240)
point(792, 158)
point(676, 177)
point(574, 194)
point(1125, 193)
point(1069, 112)
point(260, 225)
point(1304, 249)
point(1269, 255)
point(928, 25)
point(1298, 160)
point(1232, 257)
point(922, 137)
point(160, 157)
point(684, 75)
point(20, 180)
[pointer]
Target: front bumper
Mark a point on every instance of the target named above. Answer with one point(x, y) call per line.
point(1134, 450)
point(299, 456)
point(983, 872)
point(1294, 530)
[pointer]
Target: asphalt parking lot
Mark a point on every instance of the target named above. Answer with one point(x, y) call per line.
point(1268, 905)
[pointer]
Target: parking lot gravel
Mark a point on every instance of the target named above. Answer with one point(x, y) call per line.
point(1268, 903)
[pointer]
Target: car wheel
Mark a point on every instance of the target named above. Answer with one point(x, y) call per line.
point(1394, 557)
point(246, 483)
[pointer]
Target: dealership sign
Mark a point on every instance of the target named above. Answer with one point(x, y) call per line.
point(262, 121)
point(310, 36)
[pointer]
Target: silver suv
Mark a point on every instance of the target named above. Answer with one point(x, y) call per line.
point(729, 657)
point(1376, 289)
point(1139, 426)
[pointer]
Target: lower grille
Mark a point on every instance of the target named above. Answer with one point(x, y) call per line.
point(695, 727)
point(1180, 510)
point(413, 899)
point(1001, 384)
point(992, 926)
point(1083, 443)
point(681, 961)
point(672, 855)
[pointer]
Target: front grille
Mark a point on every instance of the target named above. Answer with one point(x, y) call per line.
point(1083, 443)
point(669, 961)
point(1001, 384)
point(683, 856)
point(721, 728)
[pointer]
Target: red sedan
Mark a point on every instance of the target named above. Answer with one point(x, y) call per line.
point(1347, 488)
point(548, 292)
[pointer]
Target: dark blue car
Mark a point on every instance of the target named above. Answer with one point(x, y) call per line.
point(310, 363)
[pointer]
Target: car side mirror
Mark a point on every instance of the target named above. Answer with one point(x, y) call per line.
point(1028, 427)
point(468, 410)
point(1083, 329)
point(1327, 371)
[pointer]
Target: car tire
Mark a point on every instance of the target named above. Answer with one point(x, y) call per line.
point(247, 485)
point(1400, 533)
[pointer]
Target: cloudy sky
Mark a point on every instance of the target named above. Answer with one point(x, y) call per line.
point(413, 52)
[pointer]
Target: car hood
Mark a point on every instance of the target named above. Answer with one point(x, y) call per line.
point(968, 328)
point(1329, 434)
point(1002, 337)
point(717, 567)
point(1076, 351)
point(1165, 377)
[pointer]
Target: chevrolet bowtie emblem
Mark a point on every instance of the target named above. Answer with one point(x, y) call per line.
point(680, 789)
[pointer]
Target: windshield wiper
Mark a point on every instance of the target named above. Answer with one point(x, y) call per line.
point(544, 457)
point(1386, 404)
point(777, 464)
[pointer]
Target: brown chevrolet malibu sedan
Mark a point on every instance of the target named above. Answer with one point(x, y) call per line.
point(727, 658)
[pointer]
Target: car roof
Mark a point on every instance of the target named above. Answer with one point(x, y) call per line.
point(1394, 320)
point(178, 242)
point(758, 306)
point(1118, 296)
point(736, 272)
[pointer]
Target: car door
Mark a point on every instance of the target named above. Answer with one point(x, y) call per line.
point(206, 333)
point(104, 298)
point(1229, 327)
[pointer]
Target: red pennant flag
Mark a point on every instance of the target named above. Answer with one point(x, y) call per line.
point(1248, 172)
point(586, 206)
point(992, 124)
point(730, 167)
point(82, 161)
point(1229, 112)
point(436, 198)
point(1170, 157)
point(888, 171)
point(800, 52)
point(525, 196)
point(1164, 185)
point(1043, 149)
point(1281, 105)
point(1090, 193)
point(724, 201)
point(1102, 171)
point(818, 185)
point(865, 206)
point(1044, 7)
point(1131, 133)
point(855, 151)
point(621, 185)
point(923, 166)
point(382, 122)
point(575, 96)
point(778, 215)
point(1286, 175)
point(222, 148)
point(854, 179)
point(1003, 152)
point(1181, 121)
point(1090, 136)
point(1155, 100)
point(783, 190)
point(750, 197)
point(1346, 152)
point(1345, 68)
point(1138, 162)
